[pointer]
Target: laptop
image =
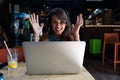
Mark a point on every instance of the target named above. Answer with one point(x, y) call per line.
point(60, 57)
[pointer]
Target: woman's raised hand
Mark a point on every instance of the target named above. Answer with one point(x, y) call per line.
point(76, 27)
point(37, 28)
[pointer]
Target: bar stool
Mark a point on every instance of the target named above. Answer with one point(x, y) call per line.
point(111, 38)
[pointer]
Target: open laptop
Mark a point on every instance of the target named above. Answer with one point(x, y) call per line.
point(63, 57)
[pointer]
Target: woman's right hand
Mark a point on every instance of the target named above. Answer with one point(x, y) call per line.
point(37, 28)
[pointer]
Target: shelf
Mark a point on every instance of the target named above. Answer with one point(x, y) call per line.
point(102, 26)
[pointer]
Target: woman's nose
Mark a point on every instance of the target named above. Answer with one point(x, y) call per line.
point(58, 24)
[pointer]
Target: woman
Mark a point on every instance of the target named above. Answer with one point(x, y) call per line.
point(60, 26)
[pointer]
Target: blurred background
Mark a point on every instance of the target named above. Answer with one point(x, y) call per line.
point(14, 14)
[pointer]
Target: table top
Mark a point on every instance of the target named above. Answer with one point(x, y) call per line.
point(20, 74)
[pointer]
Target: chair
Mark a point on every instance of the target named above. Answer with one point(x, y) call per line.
point(113, 39)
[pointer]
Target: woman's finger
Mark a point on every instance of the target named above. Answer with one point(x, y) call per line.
point(31, 18)
point(77, 21)
point(34, 18)
point(37, 19)
point(42, 24)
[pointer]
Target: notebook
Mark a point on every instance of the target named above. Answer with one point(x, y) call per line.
point(65, 57)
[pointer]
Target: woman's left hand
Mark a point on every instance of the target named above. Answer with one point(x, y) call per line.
point(76, 27)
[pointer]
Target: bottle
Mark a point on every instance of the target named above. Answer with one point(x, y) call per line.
point(31, 37)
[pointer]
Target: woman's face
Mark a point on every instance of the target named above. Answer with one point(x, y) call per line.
point(57, 25)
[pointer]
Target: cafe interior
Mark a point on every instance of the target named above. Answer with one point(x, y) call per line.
point(100, 31)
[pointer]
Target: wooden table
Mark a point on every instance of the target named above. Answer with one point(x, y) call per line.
point(20, 74)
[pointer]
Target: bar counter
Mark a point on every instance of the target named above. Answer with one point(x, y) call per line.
point(89, 32)
point(102, 25)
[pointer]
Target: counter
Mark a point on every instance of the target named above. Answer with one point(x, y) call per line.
point(102, 25)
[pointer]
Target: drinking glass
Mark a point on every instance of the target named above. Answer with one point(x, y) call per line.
point(12, 63)
point(13, 59)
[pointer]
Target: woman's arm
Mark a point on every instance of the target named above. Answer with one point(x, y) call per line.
point(76, 27)
point(37, 28)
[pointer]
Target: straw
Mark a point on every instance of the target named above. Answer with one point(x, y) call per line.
point(8, 50)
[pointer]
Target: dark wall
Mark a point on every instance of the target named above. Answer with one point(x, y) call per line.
point(5, 17)
point(3, 12)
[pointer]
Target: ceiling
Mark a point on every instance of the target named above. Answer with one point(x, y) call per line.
point(92, 3)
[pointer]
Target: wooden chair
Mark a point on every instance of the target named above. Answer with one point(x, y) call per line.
point(113, 39)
